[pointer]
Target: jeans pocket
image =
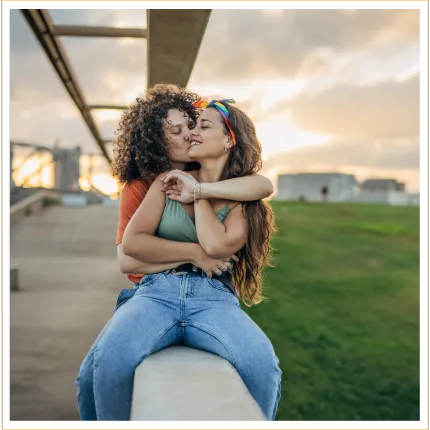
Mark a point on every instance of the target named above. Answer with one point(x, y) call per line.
point(218, 285)
point(148, 280)
point(124, 296)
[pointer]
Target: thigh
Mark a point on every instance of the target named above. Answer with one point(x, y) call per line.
point(139, 327)
point(223, 328)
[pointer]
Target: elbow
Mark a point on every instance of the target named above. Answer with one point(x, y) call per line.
point(215, 251)
point(268, 188)
point(122, 264)
point(124, 269)
point(128, 248)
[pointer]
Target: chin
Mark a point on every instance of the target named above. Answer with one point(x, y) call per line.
point(193, 152)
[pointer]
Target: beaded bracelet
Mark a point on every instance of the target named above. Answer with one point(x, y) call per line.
point(195, 186)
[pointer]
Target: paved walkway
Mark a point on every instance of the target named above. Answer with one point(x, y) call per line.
point(69, 281)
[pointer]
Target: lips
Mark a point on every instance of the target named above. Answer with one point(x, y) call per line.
point(194, 143)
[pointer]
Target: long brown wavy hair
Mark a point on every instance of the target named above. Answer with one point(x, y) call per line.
point(140, 150)
point(245, 159)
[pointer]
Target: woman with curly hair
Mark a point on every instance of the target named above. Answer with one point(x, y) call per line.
point(183, 305)
point(154, 137)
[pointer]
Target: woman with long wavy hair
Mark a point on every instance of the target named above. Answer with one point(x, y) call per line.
point(184, 306)
point(153, 137)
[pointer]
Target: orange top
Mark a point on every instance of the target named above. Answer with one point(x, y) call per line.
point(131, 197)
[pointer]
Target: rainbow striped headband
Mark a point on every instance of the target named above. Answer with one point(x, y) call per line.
point(219, 106)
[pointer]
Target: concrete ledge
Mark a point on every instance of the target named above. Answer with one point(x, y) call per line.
point(27, 206)
point(13, 278)
point(184, 384)
point(73, 200)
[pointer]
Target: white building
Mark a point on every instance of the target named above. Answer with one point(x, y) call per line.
point(340, 187)
point(386, 191)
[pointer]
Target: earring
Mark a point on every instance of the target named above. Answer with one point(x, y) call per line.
point(225, 149)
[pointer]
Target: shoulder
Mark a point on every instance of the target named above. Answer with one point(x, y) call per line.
point(136, 187)
point(234, 211)
point(232, 205)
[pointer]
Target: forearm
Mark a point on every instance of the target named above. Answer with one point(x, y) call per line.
point(152, 249)
point(129, 264)
point(247, 188)
point(210, 230)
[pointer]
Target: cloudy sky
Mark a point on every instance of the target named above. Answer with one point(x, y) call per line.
point(329, 90)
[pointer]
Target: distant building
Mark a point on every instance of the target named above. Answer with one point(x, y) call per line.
point(386, 191)
point(382, 185)
point(313, 187)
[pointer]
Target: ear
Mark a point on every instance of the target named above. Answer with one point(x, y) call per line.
point(229, 144)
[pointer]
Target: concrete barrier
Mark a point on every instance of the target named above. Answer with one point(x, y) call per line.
point(13, 278)
point(185, 384)
point(27, 206)
point(74, 200)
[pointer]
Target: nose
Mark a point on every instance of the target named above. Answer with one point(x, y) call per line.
point(194, 132)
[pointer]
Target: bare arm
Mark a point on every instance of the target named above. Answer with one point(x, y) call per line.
point(140, 244)
point(139, 241)
point(218, 238)
point(179, 186)
point(244, 189)
point(131, 265)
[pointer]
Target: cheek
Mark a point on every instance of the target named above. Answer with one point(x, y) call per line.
point(214, 140)
point(177, 147)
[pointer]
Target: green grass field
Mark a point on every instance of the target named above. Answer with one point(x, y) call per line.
point(343, 311)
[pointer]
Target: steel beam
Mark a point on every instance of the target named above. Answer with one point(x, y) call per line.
point(107, 107)
point(41, 24)
point(174, 38)
point(85, 31)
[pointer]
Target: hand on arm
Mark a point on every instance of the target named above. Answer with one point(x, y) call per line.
point(130, 265)
point(208, 264)
point(143, 252)
point(179, 185)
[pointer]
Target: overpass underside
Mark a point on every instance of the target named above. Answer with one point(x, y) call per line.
point(173, 41)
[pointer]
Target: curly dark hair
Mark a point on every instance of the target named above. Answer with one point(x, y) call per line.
point(140, 150)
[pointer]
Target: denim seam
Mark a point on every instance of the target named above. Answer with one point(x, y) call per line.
point(278, 397)
point(213, 284)
point(218, 338)
point(160, 336)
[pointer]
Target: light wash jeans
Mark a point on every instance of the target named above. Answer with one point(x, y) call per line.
point(166, 310)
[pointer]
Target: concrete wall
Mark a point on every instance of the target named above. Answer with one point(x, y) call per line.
point(341, 187)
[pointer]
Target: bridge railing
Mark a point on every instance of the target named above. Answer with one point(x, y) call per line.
point(69, 168)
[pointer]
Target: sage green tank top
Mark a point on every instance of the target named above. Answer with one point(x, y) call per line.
point(176, 224)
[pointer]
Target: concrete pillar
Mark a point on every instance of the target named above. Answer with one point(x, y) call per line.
point(185, 384)
point(13, 278)
point(67, 168)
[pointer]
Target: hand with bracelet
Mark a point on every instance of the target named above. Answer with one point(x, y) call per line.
point(182, 186)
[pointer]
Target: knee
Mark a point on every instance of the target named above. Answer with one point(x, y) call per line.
point(262, 359)
point(85, 376)
point(113, 352)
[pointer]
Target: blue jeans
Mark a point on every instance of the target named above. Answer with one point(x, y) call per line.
point(166, 310)
point(84, 381)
